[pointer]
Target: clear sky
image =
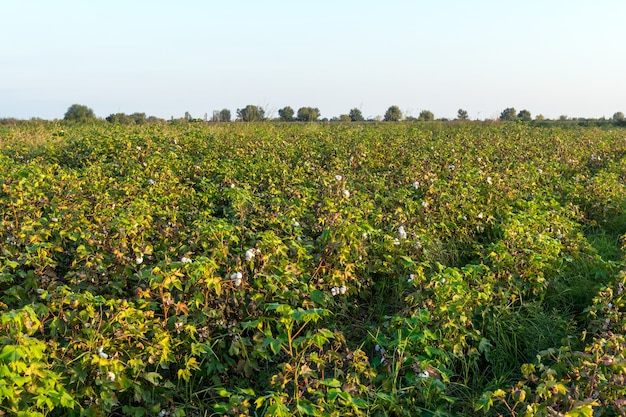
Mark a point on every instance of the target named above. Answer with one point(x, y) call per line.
point(554, 57)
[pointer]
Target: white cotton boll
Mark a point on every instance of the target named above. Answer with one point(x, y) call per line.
point(424, 204)
point(296, 223)
point(111, 376)
point(237, 282)
point(480, 216)
point(342, 290)
point(401, 232)
point(185, 260)
point(396, 242)
point(489, 180)
point(151, 181)
point(416, 184)
point(139, 260)
point(250, 254)
point(346, 193)
point(334, 291)
point(338, 177)
point(411, 278)
point(101, 353)
point(424, 374)
point(236, 275)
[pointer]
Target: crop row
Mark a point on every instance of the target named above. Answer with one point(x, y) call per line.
point(312, 270)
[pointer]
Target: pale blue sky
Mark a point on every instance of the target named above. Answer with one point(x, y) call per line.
point(164, 58)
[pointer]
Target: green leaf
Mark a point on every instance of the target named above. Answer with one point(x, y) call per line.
point(360, 403)
point(21, 380)
point(66, 400)
point(152, 377)
point(484, 402)
point(317, 297)
point(10, 353)
point(583, 411)
point(11, 264)
point(432, 351)
point(306, 408)
point(274, 344)
point(331, 382)
point(484, 345)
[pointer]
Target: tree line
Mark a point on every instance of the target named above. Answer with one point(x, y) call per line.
point(253, 113)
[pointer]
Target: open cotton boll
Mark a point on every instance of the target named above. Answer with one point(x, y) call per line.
point(237, 278)
point(101, 353)
point(346, 193)
point(250, 254)
point(401, 232)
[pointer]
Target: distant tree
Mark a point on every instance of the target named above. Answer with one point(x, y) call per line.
point(508, 115)
point(345, 118)
point(618, 117)
point(356, 115)
point(79, 113)
point(393, 114)
point(132, 119)
point(426, 116)
point(224, 115)
point(524, 116)
point(462, 115)
point(138, 118)
point(540, 118)
point(251, 113)
point(286, 114)
point(308, 114)
point(154, 119)
point(563, 117)
point(119, 118)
